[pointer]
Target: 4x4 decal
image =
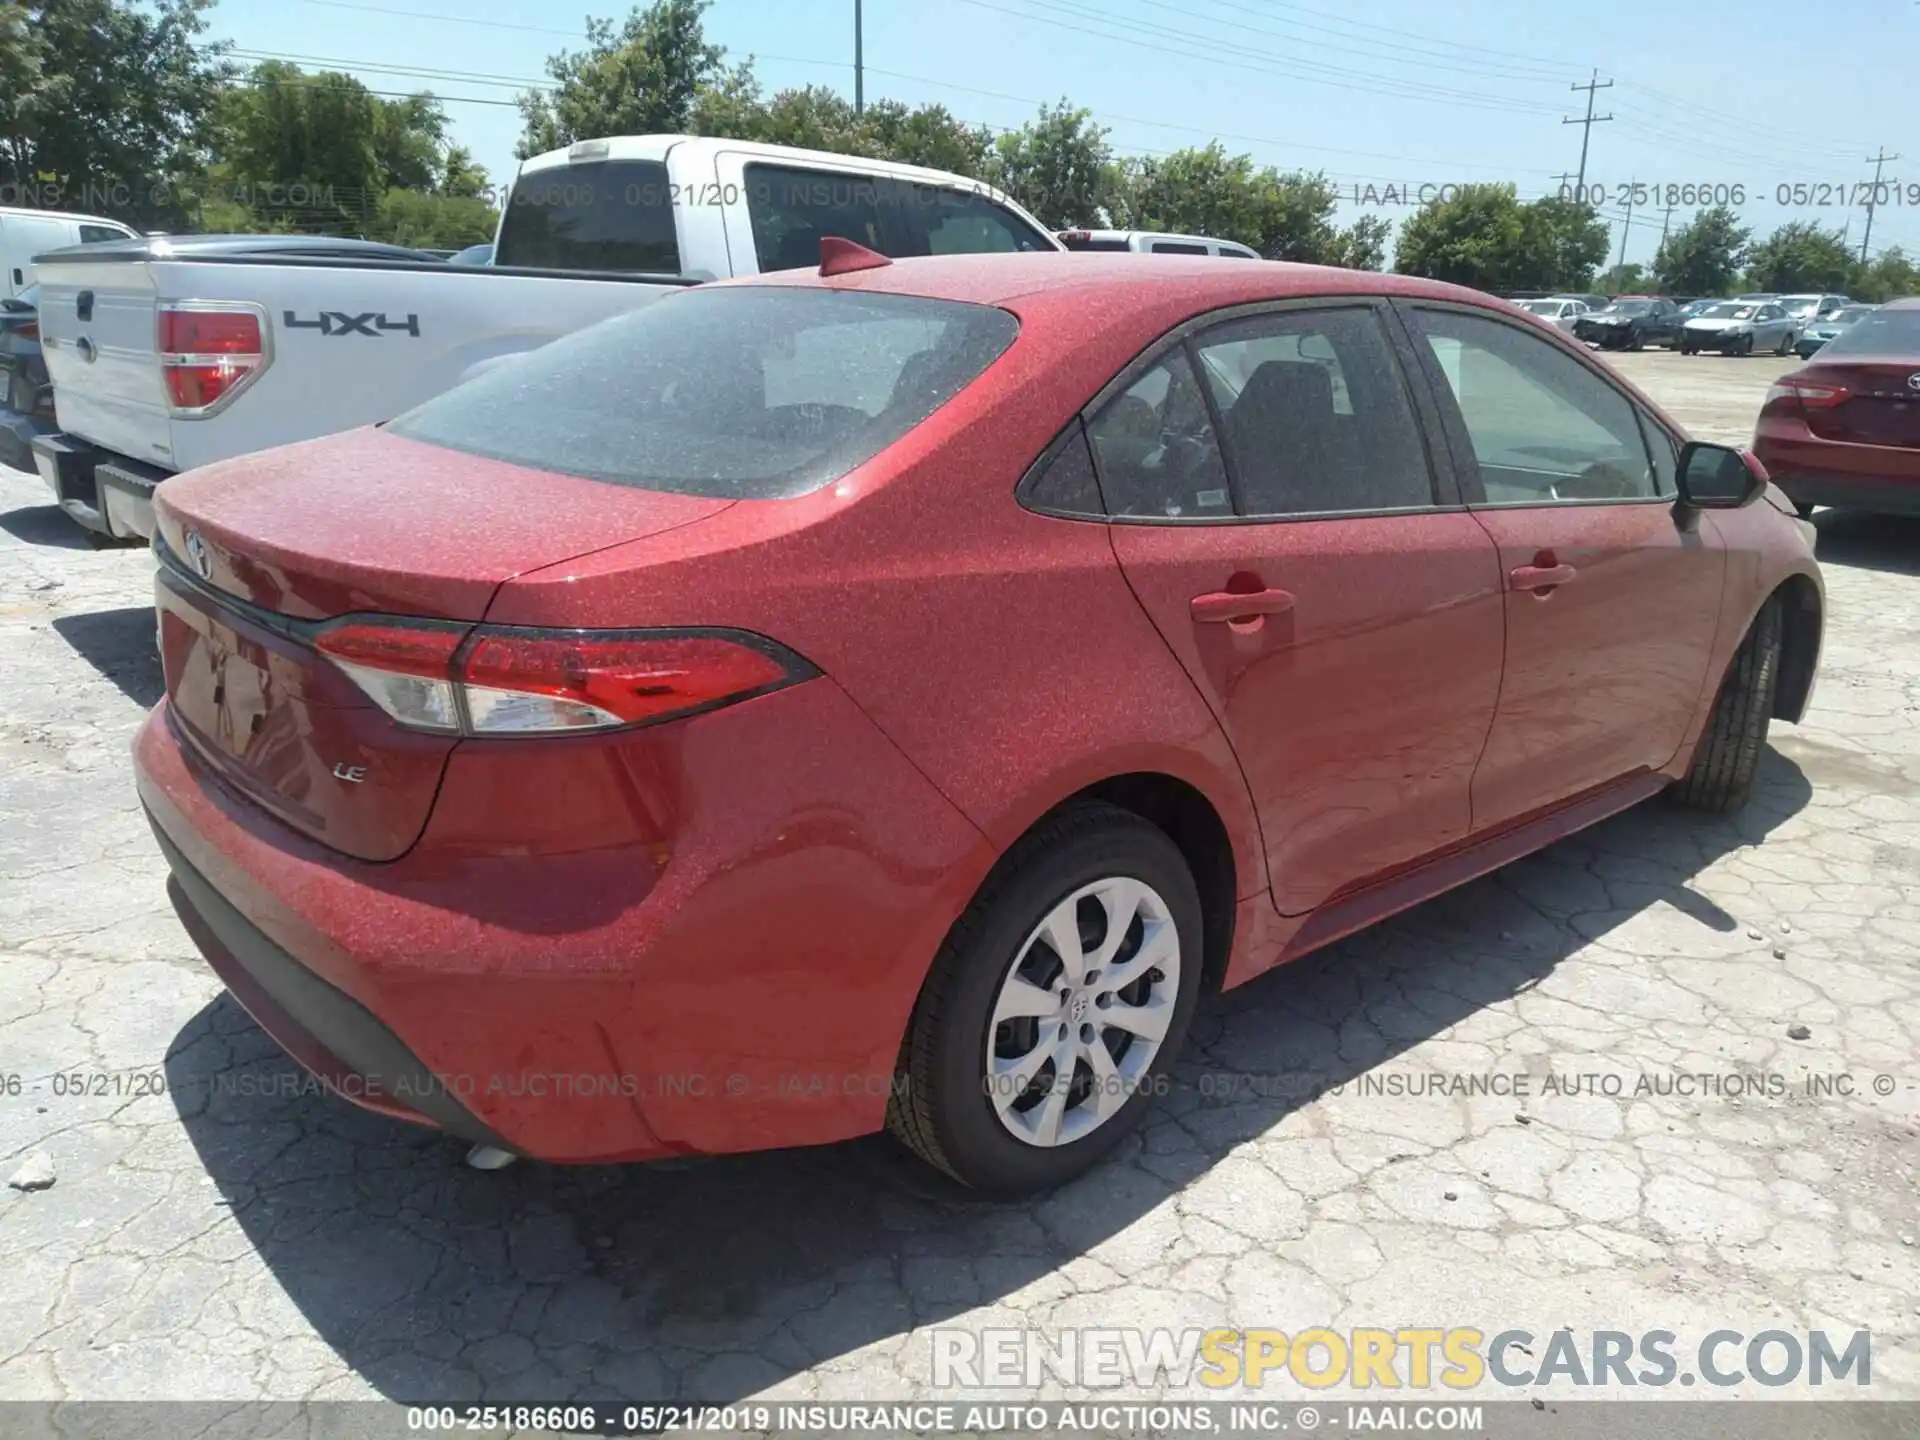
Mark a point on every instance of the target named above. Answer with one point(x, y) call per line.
point(338, 322)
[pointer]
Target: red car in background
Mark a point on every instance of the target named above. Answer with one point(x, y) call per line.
point(1844, 429)
point(887, 696)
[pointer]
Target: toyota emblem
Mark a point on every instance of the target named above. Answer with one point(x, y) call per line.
point(197, 555)
point(1913, 382)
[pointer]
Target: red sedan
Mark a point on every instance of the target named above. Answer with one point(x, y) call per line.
point(888, 696)
point(1844, 429)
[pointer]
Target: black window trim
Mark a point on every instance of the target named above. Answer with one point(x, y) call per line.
point(1441, 474)
point(1453, 423)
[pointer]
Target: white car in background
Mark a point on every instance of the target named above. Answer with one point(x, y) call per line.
point(1153, 242)
point(1556, 312)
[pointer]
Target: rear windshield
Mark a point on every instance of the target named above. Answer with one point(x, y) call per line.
point(1894, 333)
point(598, 215)
point(739, 393)
point(1632, 307)
point(1074, 242)
point(791, 209)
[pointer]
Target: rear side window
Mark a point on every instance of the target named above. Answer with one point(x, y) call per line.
point(1316, 414)
point(790, 210)
point(597, 215)
point(750, 393)
point(1177, 247)
point(1156, 449)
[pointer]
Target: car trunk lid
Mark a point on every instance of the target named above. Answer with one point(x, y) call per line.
point(1882, 404)
point(256, 554)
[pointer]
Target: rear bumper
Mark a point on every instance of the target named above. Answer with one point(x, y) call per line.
point(1851, 492)
point(101, 491)
point(329, 1032)
point(1813, 471)
point(670, 941)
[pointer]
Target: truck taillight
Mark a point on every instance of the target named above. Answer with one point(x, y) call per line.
point(210, 350)
point(516, 680)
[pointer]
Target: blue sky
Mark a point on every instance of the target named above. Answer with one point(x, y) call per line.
point(1386, 96)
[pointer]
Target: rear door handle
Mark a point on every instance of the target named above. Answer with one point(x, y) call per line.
point(1541, 577)
point(1223, 606)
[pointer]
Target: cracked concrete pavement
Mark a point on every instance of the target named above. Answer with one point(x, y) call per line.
point(207, 1237)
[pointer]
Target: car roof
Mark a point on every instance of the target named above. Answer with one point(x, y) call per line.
point(1197, 282)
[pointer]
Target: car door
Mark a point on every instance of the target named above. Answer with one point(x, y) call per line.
point(1611, 600)
point(1275, 508)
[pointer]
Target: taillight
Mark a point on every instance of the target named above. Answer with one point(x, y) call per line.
point(28, 331)
point(209, 351)
point(513, 680)
point(1812, 394)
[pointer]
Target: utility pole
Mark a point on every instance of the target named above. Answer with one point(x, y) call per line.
point(1872, 196)
point(1625, 226)
point(1586, 133)
point(859, 65)
point(1563, 177)
point(1666, 219)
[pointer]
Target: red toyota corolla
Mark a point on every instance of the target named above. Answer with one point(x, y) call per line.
point(1844, 429)
point(887, 697)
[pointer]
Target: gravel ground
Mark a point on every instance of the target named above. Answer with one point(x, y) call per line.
point(205, 1238)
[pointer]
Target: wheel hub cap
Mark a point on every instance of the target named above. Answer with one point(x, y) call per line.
point(1082, 1011)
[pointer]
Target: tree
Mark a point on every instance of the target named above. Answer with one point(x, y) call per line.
point(927, 135)
point(1476, 236)
point(1703, 256)
point(1800, 256)
point(1889, 276)
point(1201, 191)
point(1564, 242)
point(1627, 279)
point(1361, 246)
point(643, 79)
point(433, 221)
point(108, 102)
point(1060, 166)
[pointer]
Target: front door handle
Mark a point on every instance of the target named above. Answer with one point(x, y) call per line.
point(1226, 606)
point(1541, 577)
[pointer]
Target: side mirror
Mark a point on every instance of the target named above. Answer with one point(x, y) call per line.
point(1718, 477)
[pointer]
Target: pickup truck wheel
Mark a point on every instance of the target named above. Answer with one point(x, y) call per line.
point(1056, 1006)
point(1721, 776)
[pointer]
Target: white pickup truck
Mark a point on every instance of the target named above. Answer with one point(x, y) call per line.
point(165, 355)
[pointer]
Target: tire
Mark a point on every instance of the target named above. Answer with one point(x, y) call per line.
point(1636, 342)
point(1803, 508)
point(945, 1108)
point(1688, 350)
point(1721, 776)
point(1745, 347)
point(1786, 344)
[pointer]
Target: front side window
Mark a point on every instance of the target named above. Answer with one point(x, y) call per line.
point(790, 210)
point(1156, 450)
point(594, 215)
point(95, 234)
point(1543, 428)
point(1316, 414)
point(752, 393)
